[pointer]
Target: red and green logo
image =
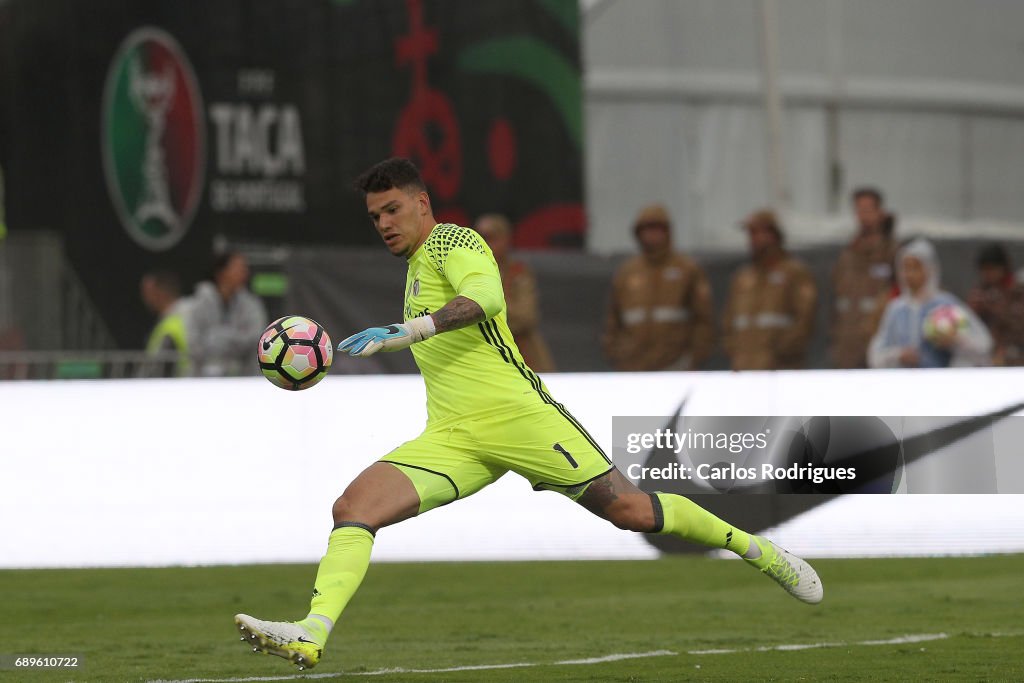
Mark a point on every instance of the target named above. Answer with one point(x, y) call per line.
point(153, 138)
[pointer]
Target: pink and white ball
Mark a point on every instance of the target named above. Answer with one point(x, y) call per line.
point(944, 322)
point(295, 352)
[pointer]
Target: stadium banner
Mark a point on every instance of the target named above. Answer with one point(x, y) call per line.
point(203, 460)
point(144, 136)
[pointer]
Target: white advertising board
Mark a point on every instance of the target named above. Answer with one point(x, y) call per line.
point(219, 471)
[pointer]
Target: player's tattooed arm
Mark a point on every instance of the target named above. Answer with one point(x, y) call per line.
point(457, 313)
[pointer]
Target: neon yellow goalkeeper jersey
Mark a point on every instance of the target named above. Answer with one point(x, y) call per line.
point(476, 371)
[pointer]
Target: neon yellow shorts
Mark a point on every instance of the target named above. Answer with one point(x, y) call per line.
point(549, 448)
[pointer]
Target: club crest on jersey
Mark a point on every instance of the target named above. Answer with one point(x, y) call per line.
point(413, 288)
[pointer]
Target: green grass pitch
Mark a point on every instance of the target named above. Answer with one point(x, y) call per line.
point(176, 624)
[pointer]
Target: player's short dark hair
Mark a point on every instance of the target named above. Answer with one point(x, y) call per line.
point(389, 174)
point(993, 254)
point(867, 191)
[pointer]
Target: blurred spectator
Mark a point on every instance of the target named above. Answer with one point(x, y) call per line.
point(228, 320)
point(11, 338)
point(769, 316)
point(660, 314)
point(161, 292)
point(521, 305)
point(912, 334)
point(862, 281)
point(998, 299)
point(3, 225)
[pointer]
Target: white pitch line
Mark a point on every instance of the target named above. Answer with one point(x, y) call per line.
point(398, 670)
point(616, 658)
point(795, 648)
point(291, 677)
point(899, 640)
point(906, 639)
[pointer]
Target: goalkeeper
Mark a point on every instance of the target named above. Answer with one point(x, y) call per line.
point(487, 413)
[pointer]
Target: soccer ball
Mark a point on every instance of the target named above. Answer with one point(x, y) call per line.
point(294, 352)
point(944, 321)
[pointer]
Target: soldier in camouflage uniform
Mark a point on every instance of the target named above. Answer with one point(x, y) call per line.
point(862, 281)
point(769, 316)
point(660, 315)
point(998, 299)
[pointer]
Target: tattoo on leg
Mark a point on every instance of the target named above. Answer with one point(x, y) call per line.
point(599, 495)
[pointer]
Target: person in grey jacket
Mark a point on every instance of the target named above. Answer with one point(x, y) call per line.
point(904, 338)
point(227, 320)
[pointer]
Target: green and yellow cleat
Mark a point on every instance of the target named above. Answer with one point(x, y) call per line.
point(282, 638)
point(795, 575)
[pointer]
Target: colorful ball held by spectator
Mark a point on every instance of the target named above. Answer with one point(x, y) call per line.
point(944, 322)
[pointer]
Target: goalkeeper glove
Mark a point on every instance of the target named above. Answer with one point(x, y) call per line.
point(390, 338)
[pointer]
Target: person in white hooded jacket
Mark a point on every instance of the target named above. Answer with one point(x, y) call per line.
point(901, 341)
point(227, 320)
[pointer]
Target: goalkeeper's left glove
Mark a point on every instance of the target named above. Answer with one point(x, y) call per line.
point(390, 338)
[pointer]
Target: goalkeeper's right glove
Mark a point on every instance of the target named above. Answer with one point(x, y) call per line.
point(390, 338)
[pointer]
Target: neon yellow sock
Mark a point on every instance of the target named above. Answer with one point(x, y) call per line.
point(341, 571)
point(685, 519)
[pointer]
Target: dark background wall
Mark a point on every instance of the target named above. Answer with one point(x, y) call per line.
point(484, 96)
